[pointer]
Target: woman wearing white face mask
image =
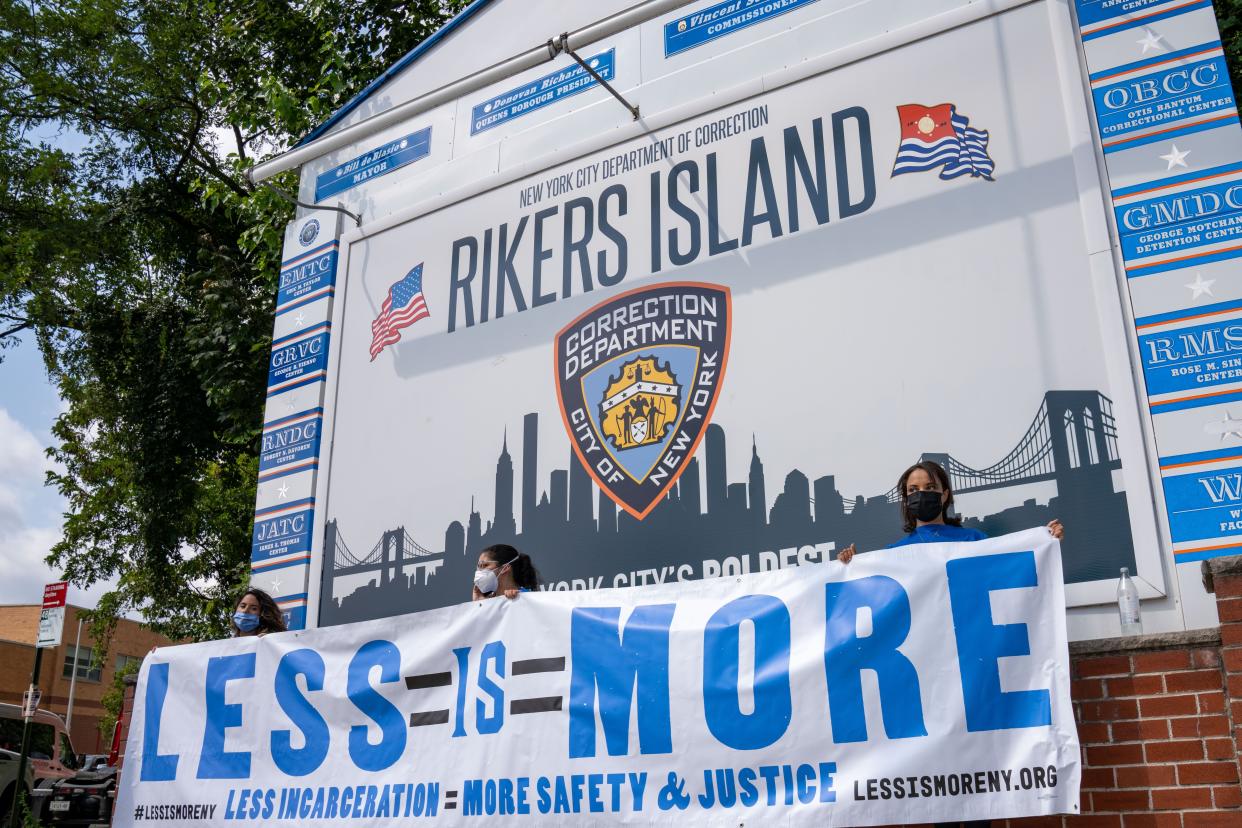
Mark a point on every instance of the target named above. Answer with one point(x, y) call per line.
point(504, 570)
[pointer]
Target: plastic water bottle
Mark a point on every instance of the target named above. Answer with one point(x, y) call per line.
point(1128, 605)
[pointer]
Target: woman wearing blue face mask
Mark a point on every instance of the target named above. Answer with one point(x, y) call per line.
point(256, 614)
point(926, 500)
point(502, 570)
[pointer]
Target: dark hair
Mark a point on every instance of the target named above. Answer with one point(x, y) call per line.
point(270, 618)
point(523, 568)
point(937, 473)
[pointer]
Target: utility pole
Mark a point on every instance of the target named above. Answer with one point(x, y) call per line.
point(73, 679)
point(32, 703)
point(51, 625)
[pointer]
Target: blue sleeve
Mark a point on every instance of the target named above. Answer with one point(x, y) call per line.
point(908, 539)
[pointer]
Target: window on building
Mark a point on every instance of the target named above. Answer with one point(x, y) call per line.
point(123, 661)
point(87, 670)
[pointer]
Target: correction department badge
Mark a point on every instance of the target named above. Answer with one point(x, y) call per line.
point(637, 379)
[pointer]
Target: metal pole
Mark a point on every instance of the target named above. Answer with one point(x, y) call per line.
point(73, 680)
point(353, 133)
point(19, 788)
point(564, 47)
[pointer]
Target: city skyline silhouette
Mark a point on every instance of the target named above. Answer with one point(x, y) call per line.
point(573, 530)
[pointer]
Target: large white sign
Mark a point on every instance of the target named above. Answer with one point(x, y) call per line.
point(716, 347)
point(916, 684)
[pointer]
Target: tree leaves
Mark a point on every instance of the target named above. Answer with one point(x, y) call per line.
point(133, 248)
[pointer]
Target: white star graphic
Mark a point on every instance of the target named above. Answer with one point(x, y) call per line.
point(1229, 426)
point(1200, 287)
point(283, 491)
point(289, 402)
point(1176, 157)
point(1150, 41)
point(300, 319)
point(275, 585)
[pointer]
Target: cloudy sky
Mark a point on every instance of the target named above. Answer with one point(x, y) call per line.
point(30, 513)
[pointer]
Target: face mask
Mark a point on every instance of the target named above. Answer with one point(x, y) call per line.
point(925, 506)
point(486, 580)
point(245, 621)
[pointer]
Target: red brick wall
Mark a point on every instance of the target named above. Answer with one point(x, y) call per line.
point(1160, 721)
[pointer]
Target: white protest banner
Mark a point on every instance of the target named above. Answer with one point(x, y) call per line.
point(916, 684)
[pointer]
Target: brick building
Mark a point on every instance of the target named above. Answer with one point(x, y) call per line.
point(19, 627)
point(1160, 722)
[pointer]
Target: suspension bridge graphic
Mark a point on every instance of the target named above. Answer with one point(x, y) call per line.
point(576, 534)
point(391, 556)
point(1085, 432)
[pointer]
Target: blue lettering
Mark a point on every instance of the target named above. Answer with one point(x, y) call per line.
point(215, 762)
point(846, 656)
point(495, 653)
point(472, 798)
point(980, 643)
point(615, 663)
point(826, 771)
point(381, 755)
point(773, 704)
point(156, 766)
point(300, 761)
point(543, 800)
point(747, 793)
point(463, 672)
point(523, 807)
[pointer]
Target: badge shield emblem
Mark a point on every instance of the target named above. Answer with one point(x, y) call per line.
point(637, 379)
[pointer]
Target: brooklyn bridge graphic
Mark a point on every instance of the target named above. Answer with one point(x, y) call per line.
point(574, 531)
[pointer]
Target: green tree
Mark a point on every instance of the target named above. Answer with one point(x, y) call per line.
point(144, 265)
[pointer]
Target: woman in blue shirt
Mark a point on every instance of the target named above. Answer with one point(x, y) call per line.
point(924, 516)
point(924, 511)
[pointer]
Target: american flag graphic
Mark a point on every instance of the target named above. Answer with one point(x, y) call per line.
point(937, 136)
point(404, 306)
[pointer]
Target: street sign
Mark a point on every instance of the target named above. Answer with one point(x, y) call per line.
point(30, 701)
point(52, 619)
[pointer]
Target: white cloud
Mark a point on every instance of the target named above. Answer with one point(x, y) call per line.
point(29, 519)
point(22, 467)
point(20, 452)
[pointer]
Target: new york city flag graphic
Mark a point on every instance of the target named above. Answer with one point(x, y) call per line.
point(937, 136)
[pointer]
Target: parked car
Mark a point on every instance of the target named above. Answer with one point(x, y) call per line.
point(84, 800)
point(51, 751)
point(9, 785)
point(94, 761)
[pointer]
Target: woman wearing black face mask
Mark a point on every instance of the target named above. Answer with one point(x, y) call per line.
point(924, 511)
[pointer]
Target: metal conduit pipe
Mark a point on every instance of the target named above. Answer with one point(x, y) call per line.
point(542, 53)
